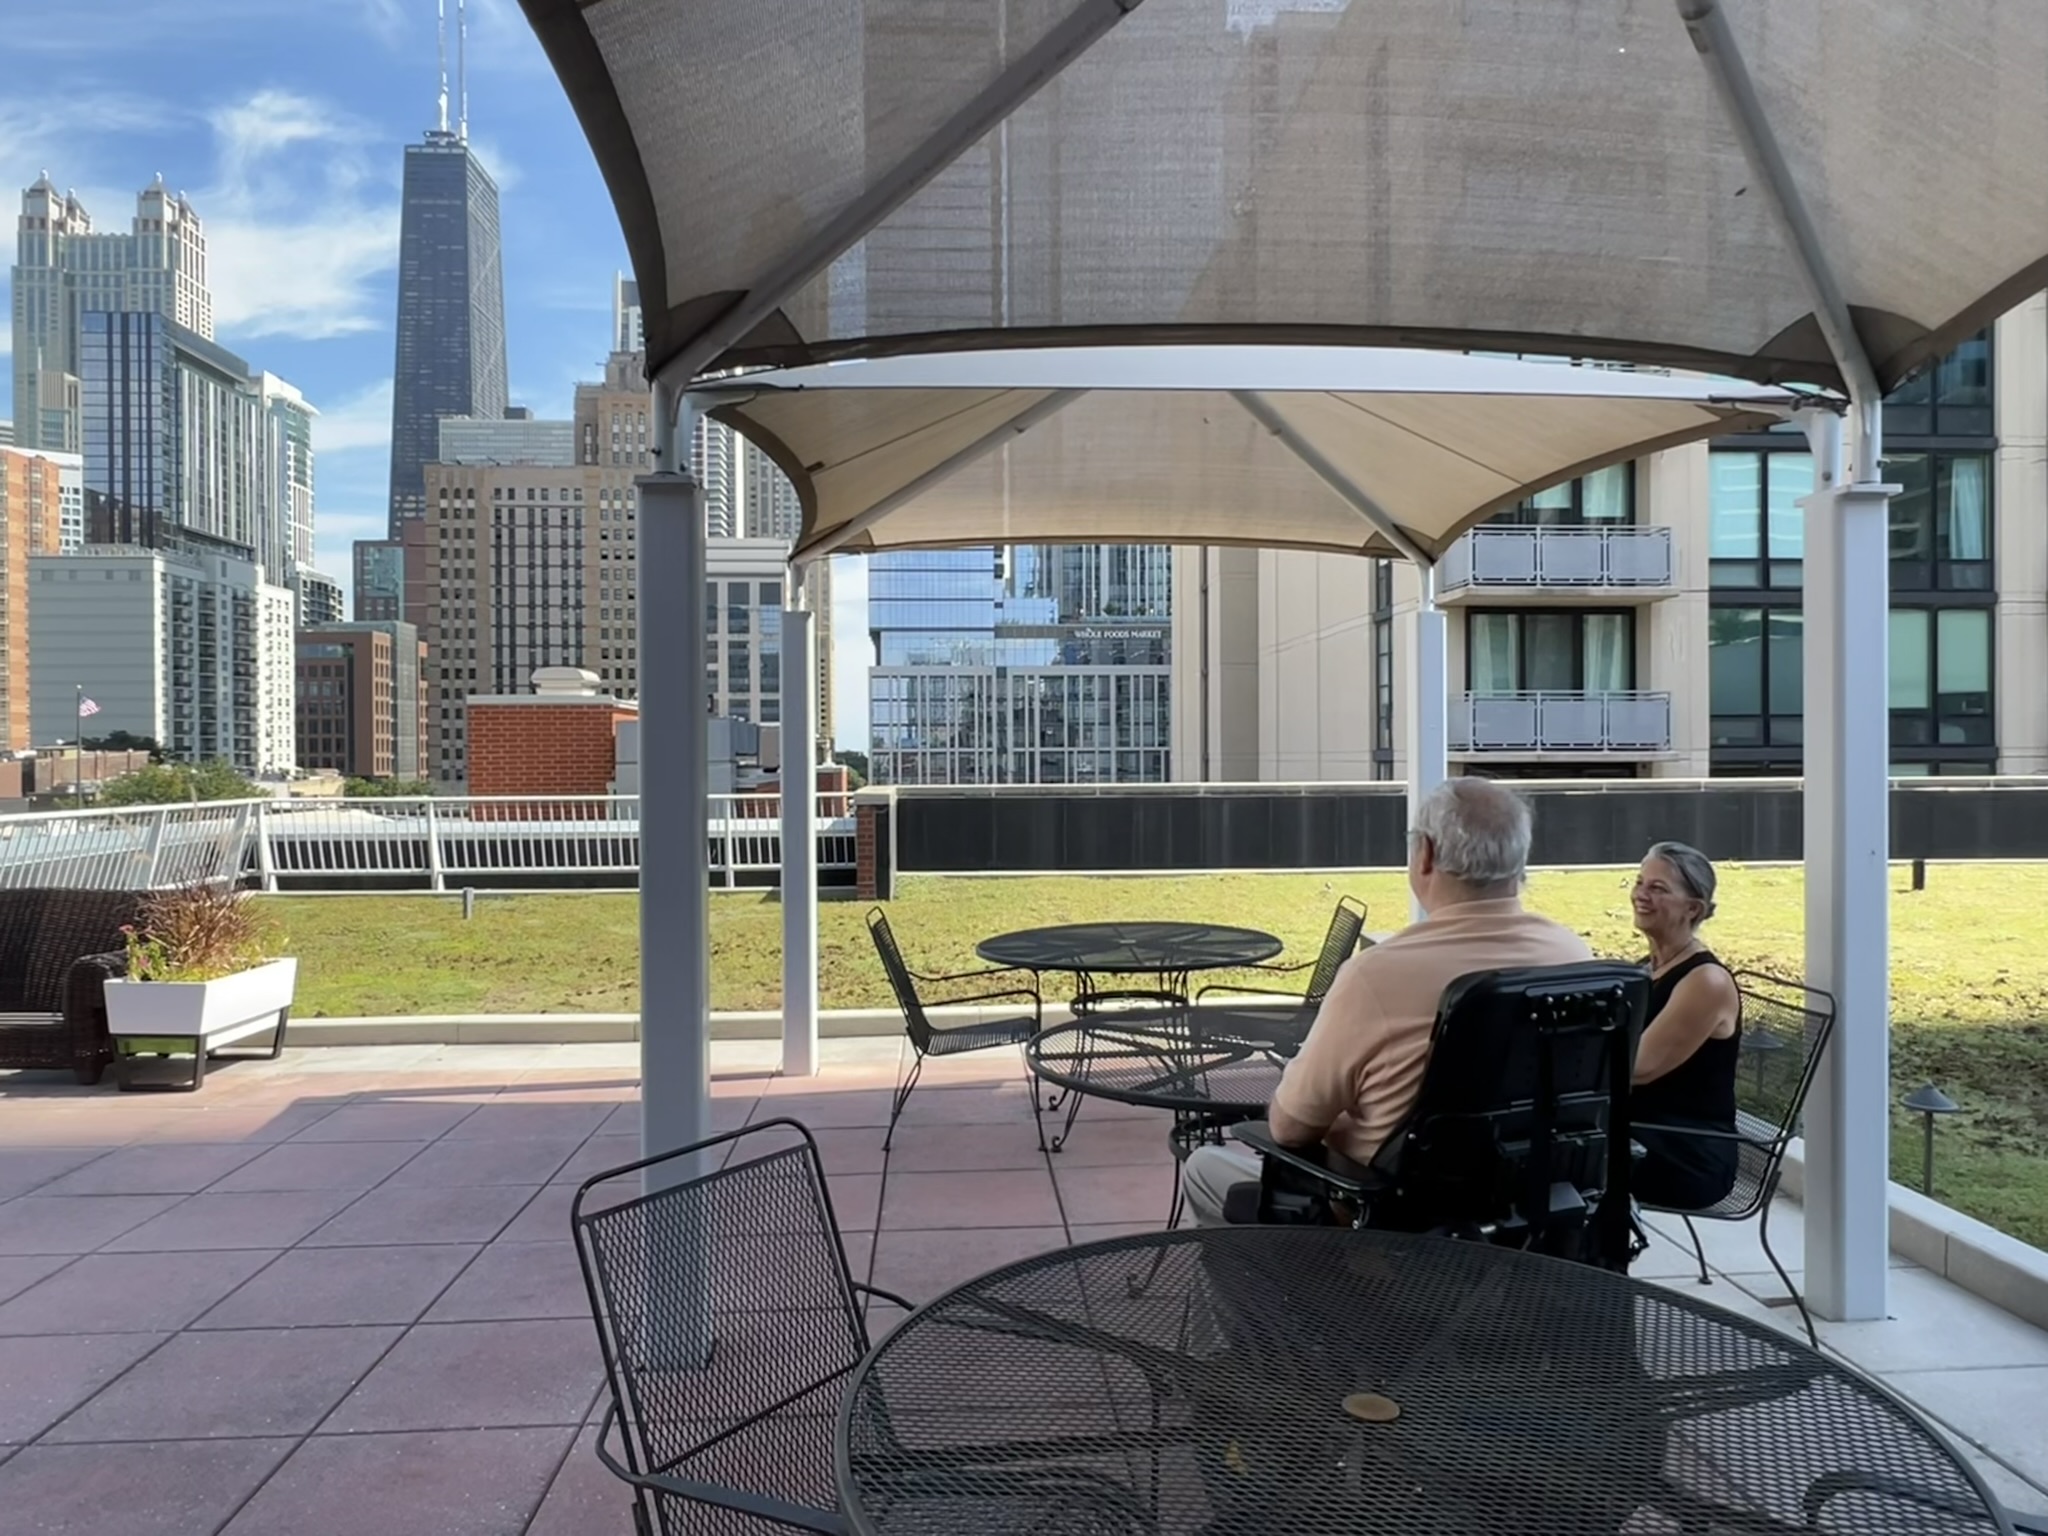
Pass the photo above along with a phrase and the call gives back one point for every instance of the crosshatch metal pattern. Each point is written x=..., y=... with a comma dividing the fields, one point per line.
x=1535, y=1398
x=728, y=1322
x=1130, y=948
x=1189, y=1059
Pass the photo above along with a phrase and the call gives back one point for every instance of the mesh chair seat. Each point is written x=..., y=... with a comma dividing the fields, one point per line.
x=980, y=1037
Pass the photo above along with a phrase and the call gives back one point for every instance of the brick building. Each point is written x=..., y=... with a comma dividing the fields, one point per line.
x=362, y=700
x=561, y=739
x=29, y=496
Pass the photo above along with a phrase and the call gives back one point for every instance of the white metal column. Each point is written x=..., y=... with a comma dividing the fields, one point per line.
x=675, y=903
x=1426, y=714
x=1848, y=890
x=799, y=832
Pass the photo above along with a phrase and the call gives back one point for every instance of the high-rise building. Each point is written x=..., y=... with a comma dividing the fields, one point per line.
x=1646, y=621
x=629, y=334
x=29, y=514
x=319, y=598
x=179, y=434
x=362, y=708
x=451, y=306
x=378, y=580
x=1024, y=664
x=187, y=642
x=64, y=271
x=506, y=440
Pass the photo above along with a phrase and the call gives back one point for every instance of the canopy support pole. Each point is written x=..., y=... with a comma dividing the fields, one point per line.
x=799, y=830
x=1428, y=704
x=836, y=538
x=1073, y=36
x=1847, y=753
x=675, y=905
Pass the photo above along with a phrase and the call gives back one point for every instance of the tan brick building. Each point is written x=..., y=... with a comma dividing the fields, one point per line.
x=29, y=525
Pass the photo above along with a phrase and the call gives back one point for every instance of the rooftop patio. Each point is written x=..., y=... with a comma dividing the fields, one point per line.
x=336, y=1294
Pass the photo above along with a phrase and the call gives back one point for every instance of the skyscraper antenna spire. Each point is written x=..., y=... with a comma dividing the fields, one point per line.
x=441, y=55
x=462, y=67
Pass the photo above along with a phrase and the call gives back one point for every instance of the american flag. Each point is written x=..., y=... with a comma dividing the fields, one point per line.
x=87, y=707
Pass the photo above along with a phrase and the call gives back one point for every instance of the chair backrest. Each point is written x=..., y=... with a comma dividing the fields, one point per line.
x=900, y=980
x=1521, y=1127
x=1340, y=943
x=725, y=1313
x=1785, y=1030
x=44, y=932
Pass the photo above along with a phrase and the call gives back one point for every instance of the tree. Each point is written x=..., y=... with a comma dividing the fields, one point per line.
x=386, y=789
x=856, y=765
x=179, y=784
x=126, y=741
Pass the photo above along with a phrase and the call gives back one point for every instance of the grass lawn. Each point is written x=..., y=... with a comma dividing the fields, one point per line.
x=1969, y=969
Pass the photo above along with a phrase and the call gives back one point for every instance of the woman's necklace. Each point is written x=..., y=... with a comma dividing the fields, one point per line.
x=1663, y=963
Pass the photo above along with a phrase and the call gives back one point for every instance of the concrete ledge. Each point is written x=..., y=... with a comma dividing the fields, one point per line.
x=2010, y=1274
x=588, y=1028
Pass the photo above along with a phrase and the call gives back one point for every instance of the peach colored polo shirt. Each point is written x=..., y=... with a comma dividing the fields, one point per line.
x=1361, y=1067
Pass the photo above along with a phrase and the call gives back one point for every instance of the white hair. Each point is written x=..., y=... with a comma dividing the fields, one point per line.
x=1478, y=829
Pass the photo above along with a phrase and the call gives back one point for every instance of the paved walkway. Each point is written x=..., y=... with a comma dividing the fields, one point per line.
x=335, y=1296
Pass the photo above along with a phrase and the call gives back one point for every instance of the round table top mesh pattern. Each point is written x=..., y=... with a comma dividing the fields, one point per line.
x=1300, y=1381
x=1111, y=948
x=1188, y=1059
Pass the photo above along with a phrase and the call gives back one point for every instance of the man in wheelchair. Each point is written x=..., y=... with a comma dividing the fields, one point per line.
x=1459, y=1071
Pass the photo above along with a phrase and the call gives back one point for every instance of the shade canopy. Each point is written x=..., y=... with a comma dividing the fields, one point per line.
x=1555, y=176
x=1356, y=451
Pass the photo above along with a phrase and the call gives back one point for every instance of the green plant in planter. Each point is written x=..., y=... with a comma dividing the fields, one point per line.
x=197, y=933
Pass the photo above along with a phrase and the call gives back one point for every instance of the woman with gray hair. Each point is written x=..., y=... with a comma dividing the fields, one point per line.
x=1685, y=1063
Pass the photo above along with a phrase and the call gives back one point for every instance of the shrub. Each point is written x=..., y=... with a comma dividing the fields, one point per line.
x=178, y=784
x=197, y=933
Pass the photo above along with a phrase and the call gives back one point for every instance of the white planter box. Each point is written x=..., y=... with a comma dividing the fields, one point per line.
x=199, y=1016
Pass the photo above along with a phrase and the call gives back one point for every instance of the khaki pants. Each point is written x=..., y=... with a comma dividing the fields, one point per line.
x=1207, y=1177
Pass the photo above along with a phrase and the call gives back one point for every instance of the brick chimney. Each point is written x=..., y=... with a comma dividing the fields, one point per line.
x=561, y=739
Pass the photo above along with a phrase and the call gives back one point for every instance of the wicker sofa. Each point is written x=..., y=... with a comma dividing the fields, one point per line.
x=57, y=949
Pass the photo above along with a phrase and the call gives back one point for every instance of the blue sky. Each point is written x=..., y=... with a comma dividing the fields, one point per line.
x=285, y=122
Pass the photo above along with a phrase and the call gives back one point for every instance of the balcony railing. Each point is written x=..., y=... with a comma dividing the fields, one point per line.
x=1626, y=557
x=436, y=844
x=1619, y=723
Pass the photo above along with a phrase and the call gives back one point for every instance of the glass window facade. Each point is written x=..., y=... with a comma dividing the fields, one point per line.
x=1549, y=651
x=1026, y=664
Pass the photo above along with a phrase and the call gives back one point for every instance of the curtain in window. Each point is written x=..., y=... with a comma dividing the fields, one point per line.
x=1967, y=513
x=1606, y=494
x=1495, y=663
x=1607, y=654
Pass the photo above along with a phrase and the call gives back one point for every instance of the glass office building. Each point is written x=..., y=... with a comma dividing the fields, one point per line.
x=1022, y=664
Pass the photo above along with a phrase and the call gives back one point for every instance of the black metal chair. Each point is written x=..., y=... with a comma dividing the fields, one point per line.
x=1785, y=1028
x=1518, y=1136
x=928, y=1039
x=1340, y=943
x=729, y=1322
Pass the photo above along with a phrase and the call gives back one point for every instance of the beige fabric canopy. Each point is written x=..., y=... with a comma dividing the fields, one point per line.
x=1555, y=176
x=1376, y=452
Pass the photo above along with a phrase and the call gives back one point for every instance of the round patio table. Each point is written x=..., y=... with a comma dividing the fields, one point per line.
x=1296, y=1381
x=1211, y=1067
x=1169, y=953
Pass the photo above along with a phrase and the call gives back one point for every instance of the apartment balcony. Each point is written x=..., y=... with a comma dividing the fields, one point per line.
x=1631, y=727
x=1557, y=565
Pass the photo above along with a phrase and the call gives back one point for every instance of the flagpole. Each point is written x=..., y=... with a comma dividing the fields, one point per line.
x=78, y=733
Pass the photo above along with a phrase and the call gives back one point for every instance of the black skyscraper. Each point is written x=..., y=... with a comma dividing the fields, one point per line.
x=451, y=309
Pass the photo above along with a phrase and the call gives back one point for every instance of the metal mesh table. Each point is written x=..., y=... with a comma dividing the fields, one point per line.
x=1167, y=952
x=1210, y=1066
x=1297, y=1381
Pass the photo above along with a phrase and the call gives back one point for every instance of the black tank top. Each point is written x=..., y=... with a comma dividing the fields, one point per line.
x=1701, y=1089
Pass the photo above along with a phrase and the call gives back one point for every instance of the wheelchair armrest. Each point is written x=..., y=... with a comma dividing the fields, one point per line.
x=1317, y=1161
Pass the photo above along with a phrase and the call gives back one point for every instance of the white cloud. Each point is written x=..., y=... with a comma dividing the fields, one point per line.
x=299, y=226
x=359, y=423
x=504, y=171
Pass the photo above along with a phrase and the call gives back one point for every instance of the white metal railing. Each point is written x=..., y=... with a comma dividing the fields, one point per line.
x=435, y=844
x=136, y=848
x=1558, y=557
x=1561, y=722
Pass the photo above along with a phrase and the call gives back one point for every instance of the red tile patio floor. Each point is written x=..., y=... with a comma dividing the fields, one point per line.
x=336, y=1294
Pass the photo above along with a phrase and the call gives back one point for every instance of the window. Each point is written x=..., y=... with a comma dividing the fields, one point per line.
x=1553, y=651
x=1940, y=521
x=1950, y=398
x=1940, y=677
x=1757, y=534
x=1755, y=678
x=1604, y=499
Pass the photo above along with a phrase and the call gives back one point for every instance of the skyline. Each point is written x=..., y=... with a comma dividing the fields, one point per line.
x=286, y=127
